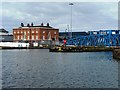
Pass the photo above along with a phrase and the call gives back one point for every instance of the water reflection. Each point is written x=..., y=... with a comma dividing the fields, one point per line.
x=42, y=69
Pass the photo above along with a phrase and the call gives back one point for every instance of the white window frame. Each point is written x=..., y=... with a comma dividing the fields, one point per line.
x=32, y=37
x=43, y=31
x=36, y=31
x=25, y=33
x=32, y=31
x=28, y=37
x=43, y=37
x=18, y=37
x=21, y=37
x=54, y=32
x=49, y=34
x=36, y=37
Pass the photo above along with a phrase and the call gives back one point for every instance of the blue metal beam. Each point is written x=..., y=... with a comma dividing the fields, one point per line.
x=97, y=38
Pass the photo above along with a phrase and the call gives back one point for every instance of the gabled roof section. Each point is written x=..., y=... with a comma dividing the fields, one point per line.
x=38, y=26
x=3, y=30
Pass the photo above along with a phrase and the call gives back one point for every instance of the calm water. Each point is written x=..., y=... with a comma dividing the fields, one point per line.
x=39, y=68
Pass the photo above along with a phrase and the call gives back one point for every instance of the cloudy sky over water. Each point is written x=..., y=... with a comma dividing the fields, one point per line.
x=86, y=15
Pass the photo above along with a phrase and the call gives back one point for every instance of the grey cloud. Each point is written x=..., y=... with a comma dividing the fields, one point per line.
x=86, y=15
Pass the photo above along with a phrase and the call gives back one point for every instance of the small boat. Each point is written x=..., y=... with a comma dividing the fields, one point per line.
x=65, y=49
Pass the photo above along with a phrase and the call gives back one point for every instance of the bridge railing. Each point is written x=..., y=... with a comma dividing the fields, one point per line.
x=97, y=38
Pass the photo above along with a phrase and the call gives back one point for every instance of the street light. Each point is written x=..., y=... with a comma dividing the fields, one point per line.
x=71, y=4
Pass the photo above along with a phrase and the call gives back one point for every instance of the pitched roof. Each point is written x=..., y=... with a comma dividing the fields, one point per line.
x=3, y=30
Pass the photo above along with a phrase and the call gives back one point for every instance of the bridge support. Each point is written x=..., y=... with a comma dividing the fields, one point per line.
x=97, y=38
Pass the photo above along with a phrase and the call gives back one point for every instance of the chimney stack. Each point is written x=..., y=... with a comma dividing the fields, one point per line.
x=41, y=24
x=22, y=25
x=47, y=24
x=28, y=25
x=32, y=24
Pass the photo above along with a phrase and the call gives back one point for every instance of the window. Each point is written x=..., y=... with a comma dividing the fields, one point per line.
x=55, y=37
x=24, y=33
x=14, y=32
x=32, y=37
x=49, y=36
x=95, y=33
x=28, y=31
x=18, y=37
x=37, y=37
x=28, y=37
x=32, y=31
x=43, y=37
x=21, y=37
x=18, y=31
x=36, y=31
x=43, y=31
x=107, y=32
x=21, y=32
x=113, y=32
x=54, y=32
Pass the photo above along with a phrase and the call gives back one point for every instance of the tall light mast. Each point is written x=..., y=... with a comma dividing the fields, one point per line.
x=71, y=4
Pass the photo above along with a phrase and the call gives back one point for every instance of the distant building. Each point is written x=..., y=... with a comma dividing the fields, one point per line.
x=77, y=34
x=31, y=33
x=3, y=32
x=74, y=34
x=5, y=36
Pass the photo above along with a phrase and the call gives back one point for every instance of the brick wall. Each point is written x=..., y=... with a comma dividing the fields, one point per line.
x=35, y=34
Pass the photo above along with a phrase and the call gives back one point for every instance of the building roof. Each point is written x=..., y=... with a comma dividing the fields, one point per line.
x=37, y=26
x=74, y=33
x=3, y=30
x=47, y=26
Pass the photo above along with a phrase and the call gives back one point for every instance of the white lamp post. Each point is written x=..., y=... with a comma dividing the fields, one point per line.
x=71, y=4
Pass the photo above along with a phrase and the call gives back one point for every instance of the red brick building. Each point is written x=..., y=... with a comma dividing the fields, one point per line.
x=33, y=33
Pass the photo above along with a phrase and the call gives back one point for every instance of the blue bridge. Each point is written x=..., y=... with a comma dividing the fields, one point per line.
x=97, y=38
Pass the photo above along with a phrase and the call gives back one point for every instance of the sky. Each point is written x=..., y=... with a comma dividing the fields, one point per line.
x=86, y=16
